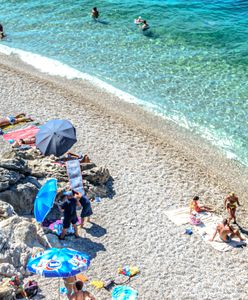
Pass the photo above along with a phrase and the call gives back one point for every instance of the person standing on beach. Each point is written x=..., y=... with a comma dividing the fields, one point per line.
x=231, y=202
x=226, y=232
x=94, y=13
x=86, y=210
x=69, y=207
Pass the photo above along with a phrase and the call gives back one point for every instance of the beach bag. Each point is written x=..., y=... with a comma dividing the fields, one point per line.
x=31, y=288
x=194, y=219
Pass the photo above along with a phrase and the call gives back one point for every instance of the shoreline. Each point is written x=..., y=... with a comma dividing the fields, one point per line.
x=155, y=167
x=164, y=132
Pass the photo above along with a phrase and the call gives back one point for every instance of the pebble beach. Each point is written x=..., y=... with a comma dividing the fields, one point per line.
x=155, y=166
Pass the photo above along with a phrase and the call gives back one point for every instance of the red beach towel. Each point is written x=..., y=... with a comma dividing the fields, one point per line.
x=24, y=133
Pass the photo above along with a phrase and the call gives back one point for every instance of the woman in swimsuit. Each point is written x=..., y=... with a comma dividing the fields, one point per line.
x=195, y=206
x=231, y=203
x=226, y=232
x=69, y=283
x=14, y=120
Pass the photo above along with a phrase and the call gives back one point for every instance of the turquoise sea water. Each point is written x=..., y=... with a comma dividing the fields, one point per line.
x=192, y=67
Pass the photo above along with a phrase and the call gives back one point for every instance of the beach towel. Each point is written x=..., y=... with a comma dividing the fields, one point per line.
x=57, y=227
x=75, y=175
x=181, y=216
x=206, y=230
x=23, y=133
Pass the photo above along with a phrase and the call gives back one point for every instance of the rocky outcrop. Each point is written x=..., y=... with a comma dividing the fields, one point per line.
x=6, y=210
x=23, y=172
x=21, y=175
x=18, y=236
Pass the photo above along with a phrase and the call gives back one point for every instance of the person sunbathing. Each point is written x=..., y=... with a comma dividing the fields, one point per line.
x=195, y=206
x=226, y=232
x=231, y=203
x=21, y=142
x=14, y=120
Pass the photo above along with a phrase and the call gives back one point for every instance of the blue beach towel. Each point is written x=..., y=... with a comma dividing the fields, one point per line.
x=123, y=292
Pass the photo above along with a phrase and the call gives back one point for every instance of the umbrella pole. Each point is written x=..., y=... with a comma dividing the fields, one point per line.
x=59, y=288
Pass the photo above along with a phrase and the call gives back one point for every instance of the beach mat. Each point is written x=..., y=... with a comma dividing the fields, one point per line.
x=23, y=133
x=75, y=175
x=206, y=231
x=181, y=216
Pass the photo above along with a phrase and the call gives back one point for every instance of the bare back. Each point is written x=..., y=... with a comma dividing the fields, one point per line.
x=82, y=296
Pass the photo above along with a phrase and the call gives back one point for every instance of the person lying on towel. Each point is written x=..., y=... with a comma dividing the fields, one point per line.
x=21, y=142
x=226, y=232
x=197, y=207
x=14, y=120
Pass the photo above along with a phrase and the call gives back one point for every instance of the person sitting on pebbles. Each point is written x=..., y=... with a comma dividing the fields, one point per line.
x=226, y=232
x=197, y=207
x=14, y=120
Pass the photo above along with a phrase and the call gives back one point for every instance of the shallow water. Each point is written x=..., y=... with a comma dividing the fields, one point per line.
x=191, y=67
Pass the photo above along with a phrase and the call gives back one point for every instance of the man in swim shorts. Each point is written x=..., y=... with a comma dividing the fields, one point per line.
x=14, y=120
x=69, y=208
x=226, y=232
x=81, y=295
x=231, y=203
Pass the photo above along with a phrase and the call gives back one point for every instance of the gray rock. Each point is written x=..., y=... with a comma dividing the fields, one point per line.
x=7, y=178
x=21, y=197
x=6, y=210
x=11, y=161
x=7, y=293
x=96, y=175
x=17, y=238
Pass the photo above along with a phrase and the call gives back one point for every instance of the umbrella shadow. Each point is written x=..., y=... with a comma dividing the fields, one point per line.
x=88, y=246
x=96, y=230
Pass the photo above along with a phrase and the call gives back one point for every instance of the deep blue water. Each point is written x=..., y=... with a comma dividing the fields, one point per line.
x=190, y=67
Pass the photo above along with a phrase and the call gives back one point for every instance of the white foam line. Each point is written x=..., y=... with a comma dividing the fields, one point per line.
x=57, y=68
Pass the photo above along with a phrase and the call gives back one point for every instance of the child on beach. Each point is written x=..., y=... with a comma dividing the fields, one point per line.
x=231, y=202
x=195, y=206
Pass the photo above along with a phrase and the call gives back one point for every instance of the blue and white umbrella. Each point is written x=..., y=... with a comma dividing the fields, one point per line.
x=63, y=262
x=123, y=292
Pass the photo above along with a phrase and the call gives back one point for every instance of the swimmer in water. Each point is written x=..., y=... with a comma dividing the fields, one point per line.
x=145, y=25
x=139, y=20
x=2, y=35
x=94, y=13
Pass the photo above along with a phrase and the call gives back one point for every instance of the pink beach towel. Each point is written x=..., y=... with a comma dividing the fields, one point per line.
x=24, y=133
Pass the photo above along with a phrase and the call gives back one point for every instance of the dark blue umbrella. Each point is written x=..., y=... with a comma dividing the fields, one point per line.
x=56, y=137
x=63, y=262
